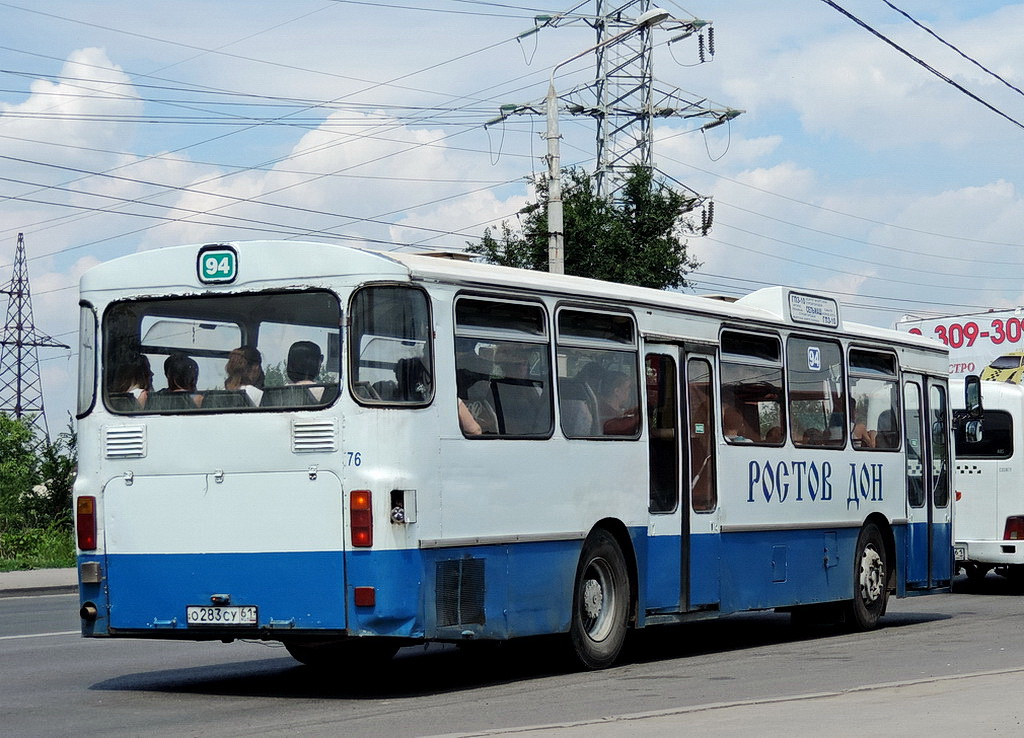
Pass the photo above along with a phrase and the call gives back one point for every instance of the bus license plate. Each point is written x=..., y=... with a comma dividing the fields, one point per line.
x=221, y=615
x=960, y=553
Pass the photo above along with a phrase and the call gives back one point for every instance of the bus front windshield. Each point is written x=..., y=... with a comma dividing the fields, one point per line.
x=223, y=353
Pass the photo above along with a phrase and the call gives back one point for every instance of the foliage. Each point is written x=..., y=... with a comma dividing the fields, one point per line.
x=37, y=548
x=275, y=376
x=635, y=240
x=36, y=479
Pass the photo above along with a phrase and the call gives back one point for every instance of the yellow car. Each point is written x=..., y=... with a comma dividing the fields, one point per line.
x=1006, y=368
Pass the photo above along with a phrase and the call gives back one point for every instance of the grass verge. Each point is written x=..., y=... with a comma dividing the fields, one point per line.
x=37, y=548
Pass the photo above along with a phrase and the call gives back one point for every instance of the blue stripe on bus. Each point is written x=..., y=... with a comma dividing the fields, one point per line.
x=293, y=589
x=500, y=592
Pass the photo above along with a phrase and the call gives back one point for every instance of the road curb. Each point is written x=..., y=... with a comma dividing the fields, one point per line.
x=38, y=582
x=35, y=591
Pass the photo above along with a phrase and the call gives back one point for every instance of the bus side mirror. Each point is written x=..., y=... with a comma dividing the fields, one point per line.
x=972, y=431
x=972, y=397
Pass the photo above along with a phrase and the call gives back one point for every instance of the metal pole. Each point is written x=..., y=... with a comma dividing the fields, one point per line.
x=556, y=251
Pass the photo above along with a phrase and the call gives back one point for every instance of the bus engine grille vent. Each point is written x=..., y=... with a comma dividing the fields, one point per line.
x=460, y=592
x=311, y=436
x=125, y=442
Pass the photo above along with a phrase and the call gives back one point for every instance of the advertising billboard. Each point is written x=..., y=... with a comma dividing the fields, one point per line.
x=990, y=344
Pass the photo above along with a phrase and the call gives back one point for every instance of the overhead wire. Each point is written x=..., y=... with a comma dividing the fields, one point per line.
x=920, y=62
x=770, y=193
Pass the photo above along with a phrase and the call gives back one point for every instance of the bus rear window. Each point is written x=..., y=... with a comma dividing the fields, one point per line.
x=223, y=353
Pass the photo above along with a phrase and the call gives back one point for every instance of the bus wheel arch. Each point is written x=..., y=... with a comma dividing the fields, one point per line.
x=873, y=575
x=603, y=597
x=891, y=557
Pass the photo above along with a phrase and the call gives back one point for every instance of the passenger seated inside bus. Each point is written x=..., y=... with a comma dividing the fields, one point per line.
x=887, y=435
x=734, y=427
x=413, y=380
x=511, y=402
x=301, y=370
x=244, y=369
x=862, y=436
x=467, y=421
x=182, y=374
x=133, y=383
x=618, y=406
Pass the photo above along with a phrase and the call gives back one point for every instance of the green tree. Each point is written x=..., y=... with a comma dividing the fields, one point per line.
x=635, y=240
x=58, y=462
x=18, y=471
x=36, y=479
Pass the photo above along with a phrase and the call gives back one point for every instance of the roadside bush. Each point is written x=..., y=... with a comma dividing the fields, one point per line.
x=36, y=479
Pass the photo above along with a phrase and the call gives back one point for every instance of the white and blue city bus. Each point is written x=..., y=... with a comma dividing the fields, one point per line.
x=488, y=453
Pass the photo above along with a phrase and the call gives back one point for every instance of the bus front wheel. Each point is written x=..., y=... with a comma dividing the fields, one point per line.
x=600, y=606
x=870, y=580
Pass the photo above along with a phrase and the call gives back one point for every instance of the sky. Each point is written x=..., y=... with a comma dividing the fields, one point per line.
x=876, y=161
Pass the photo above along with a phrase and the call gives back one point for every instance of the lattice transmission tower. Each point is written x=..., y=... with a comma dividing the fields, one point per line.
x=625, y=98
x=21, y=391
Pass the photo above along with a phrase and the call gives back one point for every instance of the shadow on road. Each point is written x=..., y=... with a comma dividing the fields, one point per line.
x=437, y=669
x=991, y=584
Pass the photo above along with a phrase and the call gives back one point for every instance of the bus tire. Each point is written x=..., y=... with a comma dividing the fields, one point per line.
x=870, y=580
x=600, y=602
x=372, y=651
x=975, y=572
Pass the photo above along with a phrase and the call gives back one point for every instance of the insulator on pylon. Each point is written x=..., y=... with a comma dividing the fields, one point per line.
x=700, y=47
x=711, y=40
x=707, y=217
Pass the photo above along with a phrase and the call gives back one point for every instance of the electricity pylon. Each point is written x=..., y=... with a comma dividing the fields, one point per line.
x=21, y=391
x=625, y=98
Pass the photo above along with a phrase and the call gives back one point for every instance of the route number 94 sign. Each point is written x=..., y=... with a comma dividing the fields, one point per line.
x=217, y=264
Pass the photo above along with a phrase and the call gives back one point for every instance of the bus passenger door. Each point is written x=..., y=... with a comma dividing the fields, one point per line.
x=701, y=484
x=682, y=481
x=667, y=549
x=928, y=552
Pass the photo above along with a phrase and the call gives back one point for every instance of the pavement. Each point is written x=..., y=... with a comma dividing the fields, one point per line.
x=38, y=581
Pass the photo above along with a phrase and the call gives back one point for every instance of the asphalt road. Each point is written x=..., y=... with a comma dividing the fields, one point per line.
x=945, y=664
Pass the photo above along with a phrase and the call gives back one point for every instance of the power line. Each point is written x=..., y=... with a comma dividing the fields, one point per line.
x=946, y=43
x=921, y=62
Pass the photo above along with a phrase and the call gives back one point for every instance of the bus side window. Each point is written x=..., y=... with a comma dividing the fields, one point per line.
x=817, y=391
x=502, y=368
x=598, y=381
x=751, y=388
x=390, y=346
x=874, y=400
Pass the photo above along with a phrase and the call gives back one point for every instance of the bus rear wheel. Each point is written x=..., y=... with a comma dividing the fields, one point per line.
x=600, y=606
x=870, y=580
x=976, y=572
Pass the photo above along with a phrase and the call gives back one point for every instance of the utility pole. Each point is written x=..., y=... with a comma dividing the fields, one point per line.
x=21, y=391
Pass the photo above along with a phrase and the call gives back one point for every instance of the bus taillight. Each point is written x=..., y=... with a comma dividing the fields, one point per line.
x=1014, y=530
x=85, y=523
x=361, y=518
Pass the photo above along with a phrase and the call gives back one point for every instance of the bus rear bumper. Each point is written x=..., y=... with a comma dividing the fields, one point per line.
x=996, y=553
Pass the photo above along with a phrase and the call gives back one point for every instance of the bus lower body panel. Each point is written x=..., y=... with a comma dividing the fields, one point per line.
x=458, y=593
x=781, y=568
x=470, y=592
x=160, y=594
